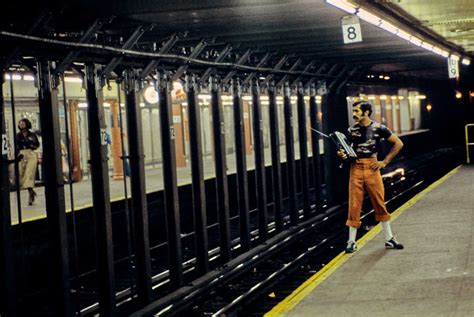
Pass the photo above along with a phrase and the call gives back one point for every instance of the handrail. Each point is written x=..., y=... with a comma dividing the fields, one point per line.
x=467, y=141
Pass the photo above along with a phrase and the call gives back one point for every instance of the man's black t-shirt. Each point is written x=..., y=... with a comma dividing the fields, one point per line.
x=366, y=139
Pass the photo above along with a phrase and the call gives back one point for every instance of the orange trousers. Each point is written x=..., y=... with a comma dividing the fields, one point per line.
x=362, y=177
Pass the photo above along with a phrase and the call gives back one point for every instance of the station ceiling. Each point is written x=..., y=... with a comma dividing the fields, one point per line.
x=307, y=29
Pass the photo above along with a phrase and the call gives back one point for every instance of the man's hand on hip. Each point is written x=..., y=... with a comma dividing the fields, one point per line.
x=378, y=165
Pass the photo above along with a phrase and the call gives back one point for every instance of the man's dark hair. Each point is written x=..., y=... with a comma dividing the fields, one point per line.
x=364, y=106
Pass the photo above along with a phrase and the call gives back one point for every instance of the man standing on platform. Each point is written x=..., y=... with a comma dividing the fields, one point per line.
x=365, y=135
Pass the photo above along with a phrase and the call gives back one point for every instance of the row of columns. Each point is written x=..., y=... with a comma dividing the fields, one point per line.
x=54, y=183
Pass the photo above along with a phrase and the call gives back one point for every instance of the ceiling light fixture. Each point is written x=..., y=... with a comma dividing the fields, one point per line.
x=343, y=5
x=28, y=78
x=371, y=18
x=415, y=40
x=427, y=46
x=368, y=17
x=404, y=35
x=389, y=27
x=466, y=61
x=455, y=57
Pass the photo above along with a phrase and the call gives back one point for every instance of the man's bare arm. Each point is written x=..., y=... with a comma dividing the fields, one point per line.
x=397, y=145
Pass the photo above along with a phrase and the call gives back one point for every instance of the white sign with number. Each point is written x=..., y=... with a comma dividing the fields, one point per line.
x=453, y=68
x=4, y=144
x=321, y=146
x=103, y=137
x=351, y=29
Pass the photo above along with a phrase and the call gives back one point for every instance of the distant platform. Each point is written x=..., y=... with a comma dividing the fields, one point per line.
x=82, y=191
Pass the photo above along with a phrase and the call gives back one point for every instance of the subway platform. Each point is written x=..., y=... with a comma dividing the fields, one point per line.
x=432, y=276
x=82, y=191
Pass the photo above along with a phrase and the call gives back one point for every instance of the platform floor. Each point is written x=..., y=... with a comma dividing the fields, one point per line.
x=432, y=276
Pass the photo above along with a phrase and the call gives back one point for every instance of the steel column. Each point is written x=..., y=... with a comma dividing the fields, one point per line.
x=290, y=155
x=137, y=187
x=221, y=171
x=7, y=272
x=314, y=121
x=259, y=163
x=170, y=183
x=100, y=192
x=303, y=137
x=276, y=164
x=242, y=182
x=54, y=192
x=197, y=173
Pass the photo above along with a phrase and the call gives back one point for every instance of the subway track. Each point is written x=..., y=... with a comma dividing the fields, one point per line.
x=298, y=252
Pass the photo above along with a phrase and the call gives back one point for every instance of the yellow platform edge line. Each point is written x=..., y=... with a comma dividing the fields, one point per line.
x=314, y=281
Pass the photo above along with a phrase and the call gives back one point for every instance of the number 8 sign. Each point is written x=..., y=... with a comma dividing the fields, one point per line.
x=351, y=29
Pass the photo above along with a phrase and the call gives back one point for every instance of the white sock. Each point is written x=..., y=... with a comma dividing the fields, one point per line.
x=387, y=230
x=352, y=234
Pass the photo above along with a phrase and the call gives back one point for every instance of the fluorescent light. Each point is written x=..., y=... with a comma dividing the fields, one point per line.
x=386, y=77
x=28, y=78
x=389, y=27
x=16, y=77
x=420, y=97
x=343, y=5
x=466, y=61
x=72, y=80
x=415, y=40
x=368, y=17
x=383, y=97
x=455, y=57
x=440, y=51
x=427, y=46
x=404, y=35
x=82, y=105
